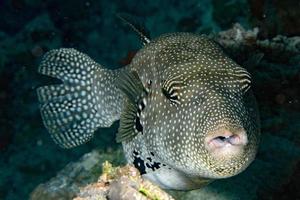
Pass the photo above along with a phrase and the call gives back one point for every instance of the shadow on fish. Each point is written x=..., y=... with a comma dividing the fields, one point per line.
x=187, y=113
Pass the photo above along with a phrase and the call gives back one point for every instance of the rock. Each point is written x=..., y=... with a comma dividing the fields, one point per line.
x=69, y=180
x=243, y=45
x=77, y=181
x=122, y=183
x=96, y=191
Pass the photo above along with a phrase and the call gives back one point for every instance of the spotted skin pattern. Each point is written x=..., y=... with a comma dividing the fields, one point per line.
x=72, y=111
x=194, y=90
x=212, y=90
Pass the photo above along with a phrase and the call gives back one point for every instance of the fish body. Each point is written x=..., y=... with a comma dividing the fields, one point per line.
x=187, y=113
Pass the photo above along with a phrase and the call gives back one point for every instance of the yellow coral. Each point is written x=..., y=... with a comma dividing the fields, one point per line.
x=148, y=194
x=108, y=170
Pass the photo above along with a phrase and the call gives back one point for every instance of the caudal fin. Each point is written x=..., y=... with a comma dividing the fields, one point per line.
x=87, y=99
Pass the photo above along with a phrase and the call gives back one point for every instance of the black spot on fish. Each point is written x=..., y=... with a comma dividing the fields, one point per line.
x=135, y=153
x=149, y=158
x=149, y=83
x=154, y=166
x=138, y=125
x=143, y=105
x=139, y=164
x=220, y=169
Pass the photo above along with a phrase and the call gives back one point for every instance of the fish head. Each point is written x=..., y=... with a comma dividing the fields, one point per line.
x=205, y=120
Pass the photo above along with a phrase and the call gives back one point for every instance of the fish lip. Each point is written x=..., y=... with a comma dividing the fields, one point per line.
x=224, y=141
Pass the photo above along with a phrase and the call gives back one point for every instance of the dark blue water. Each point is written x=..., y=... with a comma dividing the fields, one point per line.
x=29, y=28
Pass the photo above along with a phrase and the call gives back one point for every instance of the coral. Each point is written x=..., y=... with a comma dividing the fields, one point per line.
x=241, y=43
x=122, y=183
x=78, y=181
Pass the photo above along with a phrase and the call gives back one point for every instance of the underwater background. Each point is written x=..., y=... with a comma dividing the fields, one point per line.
x=29, y=28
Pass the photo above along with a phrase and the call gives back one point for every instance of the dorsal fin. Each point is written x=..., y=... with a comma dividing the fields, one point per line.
x=136, y=26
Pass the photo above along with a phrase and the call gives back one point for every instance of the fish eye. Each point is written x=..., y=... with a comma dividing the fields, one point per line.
x=170, y=89
x=244, y=79
x=246, y=87
x=245, y=84
x=172, y=95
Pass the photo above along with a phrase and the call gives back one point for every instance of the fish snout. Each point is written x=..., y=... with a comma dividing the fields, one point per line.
x=224, y=142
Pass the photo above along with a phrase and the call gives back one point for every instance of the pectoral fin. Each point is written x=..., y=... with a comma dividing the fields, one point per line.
x=131, y=85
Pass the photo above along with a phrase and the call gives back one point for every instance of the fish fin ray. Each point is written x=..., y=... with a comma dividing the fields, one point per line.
x=126, y=129
x=131, y=85
x=87, y=99
x=137, y=27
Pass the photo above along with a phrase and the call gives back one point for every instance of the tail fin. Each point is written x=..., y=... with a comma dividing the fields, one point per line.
x=87, y=99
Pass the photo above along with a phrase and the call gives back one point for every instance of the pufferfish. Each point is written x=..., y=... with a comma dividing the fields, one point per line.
x=187, y=113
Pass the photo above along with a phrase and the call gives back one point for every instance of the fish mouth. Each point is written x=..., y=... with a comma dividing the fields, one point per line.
x=225, y=144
